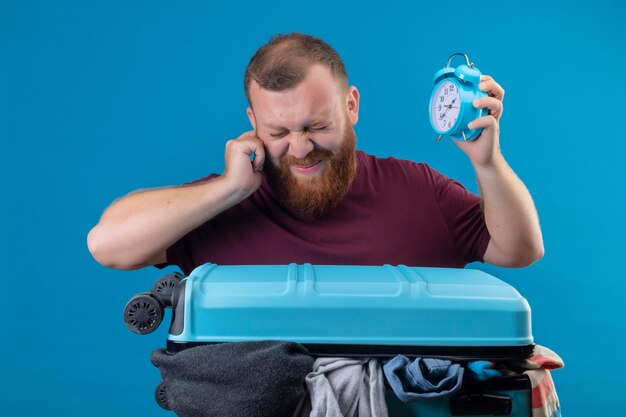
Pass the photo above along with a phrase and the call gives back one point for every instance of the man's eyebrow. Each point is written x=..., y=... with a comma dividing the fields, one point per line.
x=271, y=126
x=309, y=123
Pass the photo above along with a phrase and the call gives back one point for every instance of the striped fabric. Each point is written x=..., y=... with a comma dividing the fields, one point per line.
x=544, y=400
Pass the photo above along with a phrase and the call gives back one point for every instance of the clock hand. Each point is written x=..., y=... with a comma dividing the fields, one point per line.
x=448, y=107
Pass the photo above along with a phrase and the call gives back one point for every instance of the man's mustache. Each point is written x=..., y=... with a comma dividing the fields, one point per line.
x=312, y=157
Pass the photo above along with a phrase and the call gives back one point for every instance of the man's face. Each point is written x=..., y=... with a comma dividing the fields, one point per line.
x=309, y=140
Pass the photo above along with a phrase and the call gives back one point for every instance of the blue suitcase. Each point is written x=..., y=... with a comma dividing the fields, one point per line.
x=460, y=314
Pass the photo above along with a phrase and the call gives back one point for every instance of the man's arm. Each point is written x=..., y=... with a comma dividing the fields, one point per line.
x=510, y=213
x=136, y=230
x=511, y=217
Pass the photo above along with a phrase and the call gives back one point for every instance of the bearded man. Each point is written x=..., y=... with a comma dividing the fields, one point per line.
x=308, y=195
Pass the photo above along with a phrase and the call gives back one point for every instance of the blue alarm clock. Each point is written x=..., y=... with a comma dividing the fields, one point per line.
x=451, y=108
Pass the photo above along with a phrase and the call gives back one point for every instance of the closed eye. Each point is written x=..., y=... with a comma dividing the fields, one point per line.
x=318, y=129
x=279, y=135
x=311, y=129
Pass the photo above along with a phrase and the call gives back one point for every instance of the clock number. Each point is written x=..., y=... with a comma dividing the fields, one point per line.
x=446, y=91
x=439, y=107
x=449, y=124
x=451, y=87
x=441, y=99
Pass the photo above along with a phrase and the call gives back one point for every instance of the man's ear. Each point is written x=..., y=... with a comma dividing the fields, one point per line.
x=251, y=117
x=352, y=104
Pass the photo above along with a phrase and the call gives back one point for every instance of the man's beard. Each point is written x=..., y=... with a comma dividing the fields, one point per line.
x=315, y=197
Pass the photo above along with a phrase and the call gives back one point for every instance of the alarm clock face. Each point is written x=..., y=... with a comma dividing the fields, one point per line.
x=445, y=105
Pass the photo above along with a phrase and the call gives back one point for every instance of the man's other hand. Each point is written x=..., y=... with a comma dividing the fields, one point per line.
x=485, y=149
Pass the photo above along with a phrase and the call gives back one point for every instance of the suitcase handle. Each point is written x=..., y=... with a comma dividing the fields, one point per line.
x=480, y=404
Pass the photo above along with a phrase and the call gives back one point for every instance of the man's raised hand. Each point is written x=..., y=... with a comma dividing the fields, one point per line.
x=241, y=173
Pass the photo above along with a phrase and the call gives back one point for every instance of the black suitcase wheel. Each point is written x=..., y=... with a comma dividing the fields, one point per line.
x=164, y=287
x=143, y=314
x=159, y=396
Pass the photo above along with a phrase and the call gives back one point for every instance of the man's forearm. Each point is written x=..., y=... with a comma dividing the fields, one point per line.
x=140, y=226
x=510, y=214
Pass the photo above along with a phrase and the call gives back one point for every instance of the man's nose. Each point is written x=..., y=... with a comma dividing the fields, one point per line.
x=300, y=145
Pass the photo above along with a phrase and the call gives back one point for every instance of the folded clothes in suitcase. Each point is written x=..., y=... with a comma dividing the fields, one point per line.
x=459, y=314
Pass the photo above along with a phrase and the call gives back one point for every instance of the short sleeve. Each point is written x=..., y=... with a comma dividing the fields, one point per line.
x=463, y=215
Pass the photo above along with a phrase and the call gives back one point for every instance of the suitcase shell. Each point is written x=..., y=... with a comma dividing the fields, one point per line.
x=461, y=314
x=354, y=310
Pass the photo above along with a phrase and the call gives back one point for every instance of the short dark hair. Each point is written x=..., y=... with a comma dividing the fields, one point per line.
x=284, y=61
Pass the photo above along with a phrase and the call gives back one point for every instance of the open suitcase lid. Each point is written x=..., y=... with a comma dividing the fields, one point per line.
x=355, y=310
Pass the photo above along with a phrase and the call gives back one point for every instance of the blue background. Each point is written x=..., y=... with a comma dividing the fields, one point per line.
x=101, y=98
